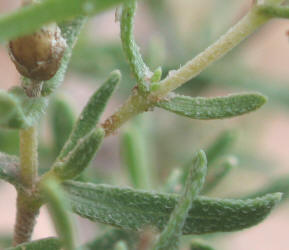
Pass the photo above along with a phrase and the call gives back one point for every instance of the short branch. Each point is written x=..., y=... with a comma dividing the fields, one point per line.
x=137, y=104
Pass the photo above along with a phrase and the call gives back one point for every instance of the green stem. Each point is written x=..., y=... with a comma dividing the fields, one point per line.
x=136, y=104
x=27, y=203
x=27, y=212
x=246, y=26
x=28, y=157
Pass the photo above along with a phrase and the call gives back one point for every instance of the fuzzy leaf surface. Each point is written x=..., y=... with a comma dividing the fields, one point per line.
x=78, y=159
x=47, y=244
x=19, y=111
x=212, y=108
x=130, y=48
x=134, y=209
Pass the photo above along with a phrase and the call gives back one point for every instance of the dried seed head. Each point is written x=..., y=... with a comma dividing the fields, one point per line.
x=38, y=56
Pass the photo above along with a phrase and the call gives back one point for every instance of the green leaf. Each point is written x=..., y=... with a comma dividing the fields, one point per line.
x=19, y=111
x=30, y=18
x=220, y=146
x=42, y=244
x=135, y=210
x=170, y=237
x=280, y=184
x=130, y=48
x=70, y=31
x=111, y=237
x=218, y=173
x=78, y=159
x=134, y=155
x=90, y=115
x=196, y=245
x=8, y=169
x=58, y=206
x=212, y=108
x=62, y=119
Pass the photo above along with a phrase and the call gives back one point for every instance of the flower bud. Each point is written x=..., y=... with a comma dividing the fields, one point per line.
x=38, y=56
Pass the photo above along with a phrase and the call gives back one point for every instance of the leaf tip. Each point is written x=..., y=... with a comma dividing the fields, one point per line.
x=260, y=99
x=277, y=197
x=201, y=157
x=115, y=76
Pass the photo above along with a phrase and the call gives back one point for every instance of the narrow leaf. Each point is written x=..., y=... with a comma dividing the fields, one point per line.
x=212, y=108
x=218, y=173
x=135, y=209
x=19, y=111
x=111, y=237
x=58, y=206
x=90, y=115
x=47, y=244
x=8, y=169
x=133, y=152
x=78, y=159
x=280, y=184
x=70, y=31
x=62, y=120
x=196, y=245
x=170, y=237
x=221, y=145
x=33, y=17
x=130, y=48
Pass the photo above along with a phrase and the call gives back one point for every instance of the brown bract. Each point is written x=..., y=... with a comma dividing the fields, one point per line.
x=38, y=56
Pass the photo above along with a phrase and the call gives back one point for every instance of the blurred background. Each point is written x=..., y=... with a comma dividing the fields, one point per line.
x=170, y=33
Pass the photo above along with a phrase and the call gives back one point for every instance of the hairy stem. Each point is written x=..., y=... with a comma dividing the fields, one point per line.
x=136, y=104
x=246, y=26
x=27, y=212
x=27, y=203
x=28, y=157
